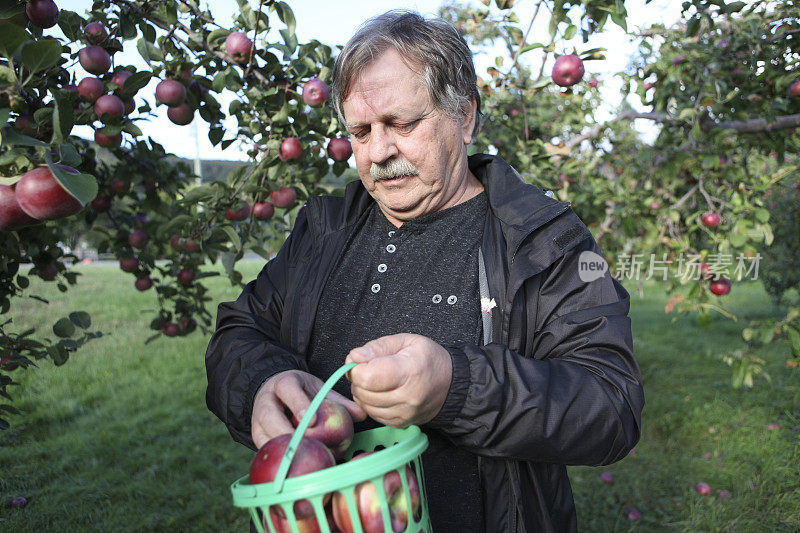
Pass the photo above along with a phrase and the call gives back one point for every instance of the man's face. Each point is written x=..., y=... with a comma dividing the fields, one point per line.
x=409, y=155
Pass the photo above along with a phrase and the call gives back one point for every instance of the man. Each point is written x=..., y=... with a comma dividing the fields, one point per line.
x=457, y=288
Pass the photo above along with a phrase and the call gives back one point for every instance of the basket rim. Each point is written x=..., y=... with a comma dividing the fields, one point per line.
x=411, y=443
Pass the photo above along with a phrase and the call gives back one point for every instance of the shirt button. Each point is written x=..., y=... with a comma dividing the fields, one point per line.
x=452, y=299
x=436, y=298
x=391, y=233
x=376, y=288
x=382, y=268
x=391, y=248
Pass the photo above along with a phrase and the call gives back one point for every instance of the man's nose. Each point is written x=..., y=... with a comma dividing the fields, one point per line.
x=381, y=145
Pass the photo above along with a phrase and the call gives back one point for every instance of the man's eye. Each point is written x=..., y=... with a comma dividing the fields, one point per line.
x=406, y=127
x=359, y=135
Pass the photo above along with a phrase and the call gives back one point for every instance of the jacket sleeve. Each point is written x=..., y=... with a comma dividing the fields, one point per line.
x=245, y=349
x=575, y=398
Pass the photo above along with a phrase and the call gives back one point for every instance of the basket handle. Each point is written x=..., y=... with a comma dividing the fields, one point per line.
x=283, y=469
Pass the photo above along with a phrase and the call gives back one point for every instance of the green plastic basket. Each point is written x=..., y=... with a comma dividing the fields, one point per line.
x=394, y=450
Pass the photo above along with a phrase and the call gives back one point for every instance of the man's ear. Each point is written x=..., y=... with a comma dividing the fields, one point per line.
x=468, y=123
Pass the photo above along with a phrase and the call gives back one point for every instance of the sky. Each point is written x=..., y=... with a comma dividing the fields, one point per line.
x=333, y=23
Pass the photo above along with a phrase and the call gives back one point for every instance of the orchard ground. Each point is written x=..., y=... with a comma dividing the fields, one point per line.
x=119, y=439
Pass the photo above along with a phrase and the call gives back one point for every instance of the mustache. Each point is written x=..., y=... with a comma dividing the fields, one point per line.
x=392, y=169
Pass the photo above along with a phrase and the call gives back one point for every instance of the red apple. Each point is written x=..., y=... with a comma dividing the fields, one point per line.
x=42, y=197
x=94, y=59
x=368, y=506
x=315, y=92
x=143, y=283
x=175, y=242
x=113, y=141
x=333, y=427
x=705, y=271
x=108, y=107
x=291, y=149
x=282, y=525
x=95, y=33
x=340, y=149
x=120, y=186
x=119, y=79
x=311, y=456
x=7, y=365
x=11, y=214
x=263, y=210
x=192, y=247
x=90, y=89
x=710, y=220
x=172, y=329
x=26, y=125
x=181, y=115
x=47, y=272
x=648, y=86
x=720, y=287
x=185, y=276
x=42, y=13
x=138, y=238
x=128, y=264
x=607, y=478
x=170, y=92
x=593, y=83
x=241, y=213
x=237, y=46
x=633, y=514
x=101, y=204
x=703, y=488
x=568, y=70
x=794, y=89
x=283, y=197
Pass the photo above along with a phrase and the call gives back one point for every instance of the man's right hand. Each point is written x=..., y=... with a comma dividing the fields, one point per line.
x=292, y=390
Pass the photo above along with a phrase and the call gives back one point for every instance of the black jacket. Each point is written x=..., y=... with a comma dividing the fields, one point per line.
x=558, y=385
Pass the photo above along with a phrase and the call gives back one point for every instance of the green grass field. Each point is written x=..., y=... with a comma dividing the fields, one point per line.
x=119, y=439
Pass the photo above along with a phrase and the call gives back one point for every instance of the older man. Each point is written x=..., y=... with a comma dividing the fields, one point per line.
x=455, y=285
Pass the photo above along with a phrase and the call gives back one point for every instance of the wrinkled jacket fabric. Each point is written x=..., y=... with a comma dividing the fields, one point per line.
x=558, y=385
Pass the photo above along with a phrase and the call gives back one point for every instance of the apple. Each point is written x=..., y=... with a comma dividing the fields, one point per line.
x=113, y=141
x=311, y=456
x=333, y=427
x=181, y=115
x=128, y=264
x=568, y=70
x=607, y=478
x=705, y=271
x=90, y=89
x=710, y=220
x=11, y=214
x=94, y=59
x=237, y=46
x=101, y=203
x=703, y=488
x=192, y=247
x=725, y=494
x=185, y=276
x=794, y=89
x=170, y=92
x=119, y=79
x=175, y=242
x=720, y=287
x=120, y=186
x=47, y=272
x=593, y=83
x=282, y=524
x=42, y=13
x=290, y=149
x=368, y=506
x=263, y=210
x=340, y=149
x=648, y=86
x=315, y=92
x=7, y=365
x=41, y=196
x=238, y=214
x=108, y=107
x=283, y=197
x=138, y=238
x=26, y=125
x=19, y=502
x=188, y=324
x=143, y=283
x=95, y=33
x=633, y=514
x=172, y=329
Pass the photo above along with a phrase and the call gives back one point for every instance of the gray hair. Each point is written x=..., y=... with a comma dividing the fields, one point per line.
x=432, y=44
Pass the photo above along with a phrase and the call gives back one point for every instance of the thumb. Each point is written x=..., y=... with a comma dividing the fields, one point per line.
x=362, y=354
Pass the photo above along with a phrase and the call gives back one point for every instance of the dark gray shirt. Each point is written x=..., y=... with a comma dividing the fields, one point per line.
x=419, y=278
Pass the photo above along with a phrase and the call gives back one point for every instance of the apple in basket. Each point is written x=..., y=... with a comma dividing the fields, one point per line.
x=311, y=455
x=369, y=507
x=333, y=427
x=304, y=525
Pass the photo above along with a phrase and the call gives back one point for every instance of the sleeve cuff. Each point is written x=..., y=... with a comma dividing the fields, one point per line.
x=459, y=388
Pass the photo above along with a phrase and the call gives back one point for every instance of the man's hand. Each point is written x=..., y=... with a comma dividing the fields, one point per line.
x=292, y=390
x=401, y=379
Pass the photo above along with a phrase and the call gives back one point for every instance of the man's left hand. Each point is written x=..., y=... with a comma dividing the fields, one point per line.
x=401, y=379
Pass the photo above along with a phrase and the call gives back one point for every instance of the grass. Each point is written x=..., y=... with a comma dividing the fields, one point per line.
x=119, y=438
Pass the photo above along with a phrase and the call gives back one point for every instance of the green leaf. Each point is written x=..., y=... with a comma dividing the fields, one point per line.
x=69, y=155
x=233, y=236
x=570, y=32
x=71, y=24
x=215, y=135
x=762, y=214
x=149, y=51
x=64, y=328
x=63, y=118
x=11, y=38
x=692, y=26
x=82, y=186
x=10, y=136
x=529, y=47
x=81, y=319
x=137, y=81
x=733, y=7
x=794, y=339
x=4, y=115
x=58, y=352
x=287, y=16
x=41, y=55
x=704, y=319
x=218, y=35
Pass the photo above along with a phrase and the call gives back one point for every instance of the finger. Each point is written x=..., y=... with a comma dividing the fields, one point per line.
x=380, y=375
x=295, y=396
x=389, y=416
x=269, y=421
x=375, y=399
x=355, y=410
x=381, y=347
